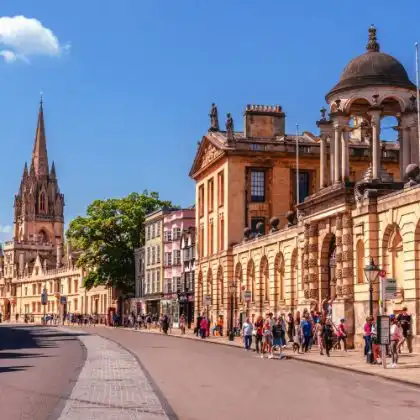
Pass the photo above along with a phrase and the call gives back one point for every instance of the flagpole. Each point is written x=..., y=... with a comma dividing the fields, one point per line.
x=418, y=94
x=297, y=163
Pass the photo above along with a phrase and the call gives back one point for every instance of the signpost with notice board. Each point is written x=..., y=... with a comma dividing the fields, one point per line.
x=247, y=296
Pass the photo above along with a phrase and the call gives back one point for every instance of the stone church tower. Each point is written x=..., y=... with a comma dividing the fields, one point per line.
x=38, y=214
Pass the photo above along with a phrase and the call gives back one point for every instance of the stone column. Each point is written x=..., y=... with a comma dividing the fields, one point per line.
x=347, y=256
x=406, y=147
x=401, y=159
x=313, y=262
x=337, y=142
x=332, y=159
x=305, y=268
x=322, y=163
x=339, y=255
x=345, y=169
x=376, y=149
x=414, y=142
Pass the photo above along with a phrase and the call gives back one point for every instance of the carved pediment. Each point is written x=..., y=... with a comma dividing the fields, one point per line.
x=207, y=153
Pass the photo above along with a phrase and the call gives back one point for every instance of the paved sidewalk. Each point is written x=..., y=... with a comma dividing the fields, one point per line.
x=407, y=370
x=111, y=385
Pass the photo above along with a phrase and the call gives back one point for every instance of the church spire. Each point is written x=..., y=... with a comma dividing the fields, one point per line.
x=39, y=154
x=52, y=173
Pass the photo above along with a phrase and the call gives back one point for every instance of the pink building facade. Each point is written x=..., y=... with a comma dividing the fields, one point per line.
x=174, y=224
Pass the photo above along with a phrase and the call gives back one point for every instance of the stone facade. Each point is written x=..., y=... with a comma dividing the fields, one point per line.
x=310, y=251
x=35, y=258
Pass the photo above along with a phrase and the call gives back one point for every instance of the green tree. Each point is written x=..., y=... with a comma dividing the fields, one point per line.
x=107, y=236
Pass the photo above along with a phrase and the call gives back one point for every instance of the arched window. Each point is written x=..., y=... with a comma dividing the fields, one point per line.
x=42, y=202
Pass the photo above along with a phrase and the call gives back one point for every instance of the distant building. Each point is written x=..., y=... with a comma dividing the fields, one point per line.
x=35, y=259
x=174, y=224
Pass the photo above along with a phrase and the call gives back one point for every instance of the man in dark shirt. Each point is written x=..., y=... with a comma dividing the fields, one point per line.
x=405, y=320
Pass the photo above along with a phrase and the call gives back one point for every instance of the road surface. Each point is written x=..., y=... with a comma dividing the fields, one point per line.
x=204, y=381
x=38, y=368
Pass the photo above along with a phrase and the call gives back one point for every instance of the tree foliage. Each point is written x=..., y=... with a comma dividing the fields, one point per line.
x=107, y=236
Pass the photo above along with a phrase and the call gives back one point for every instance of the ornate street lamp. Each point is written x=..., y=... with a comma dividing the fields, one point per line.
x=371, y=272
x=232, y=289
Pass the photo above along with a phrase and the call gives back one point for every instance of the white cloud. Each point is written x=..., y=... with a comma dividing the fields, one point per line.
x=6, y=228
x=24, y=37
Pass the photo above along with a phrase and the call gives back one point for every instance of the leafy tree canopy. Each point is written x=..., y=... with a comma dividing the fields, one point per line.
x=107, y=236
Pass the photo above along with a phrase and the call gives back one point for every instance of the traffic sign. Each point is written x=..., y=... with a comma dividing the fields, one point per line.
x=247, y=296
x=390, y=287
x=382, y=273
x=383, y=329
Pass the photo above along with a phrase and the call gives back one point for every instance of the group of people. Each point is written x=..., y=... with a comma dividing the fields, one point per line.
x=400, y=334
x=302, y=331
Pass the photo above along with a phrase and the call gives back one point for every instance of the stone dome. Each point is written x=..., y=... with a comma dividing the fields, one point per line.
x=373, y=68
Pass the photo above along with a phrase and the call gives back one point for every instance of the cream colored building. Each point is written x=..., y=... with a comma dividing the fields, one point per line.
x=34, y=259
x=312, y=254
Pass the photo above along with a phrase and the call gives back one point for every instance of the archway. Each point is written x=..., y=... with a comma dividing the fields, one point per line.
x=327, y=268
x=42, y=236
x=250, y=279
x=221, y=289
x=393, y=254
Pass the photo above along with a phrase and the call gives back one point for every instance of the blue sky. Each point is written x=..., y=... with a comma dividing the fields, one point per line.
x=127, y=98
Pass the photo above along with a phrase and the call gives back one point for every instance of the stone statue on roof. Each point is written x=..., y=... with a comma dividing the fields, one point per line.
x=214, y=118
x=229, y=127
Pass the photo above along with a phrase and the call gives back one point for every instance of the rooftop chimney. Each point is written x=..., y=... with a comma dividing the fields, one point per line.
x=264, y=121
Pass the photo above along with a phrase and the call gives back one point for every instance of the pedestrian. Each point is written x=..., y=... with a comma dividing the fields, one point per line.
x=203, y=327
x=278, y=335
x=327, y=336
x=165, y=324
x=268, y=340
x=198, y=325
x=259, y=329
x=342, y=334
x=247, y=329
x=306, y=327
x=182, y=324
x=404, y=318
x=318, y=334
x=397, y=335
x=290, y=327
x=367, y=333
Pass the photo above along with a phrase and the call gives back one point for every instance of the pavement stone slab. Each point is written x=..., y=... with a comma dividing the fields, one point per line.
x=112, y=385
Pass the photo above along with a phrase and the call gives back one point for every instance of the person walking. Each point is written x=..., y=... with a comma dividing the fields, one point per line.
x=367, y=333
x=318, y=335
x=268, y=340
x=259, y=329
x=278, y=336
x=404, y=318
x=247, y=329
x=290, y=327
x=327, y=335
x=306, y=327
x=342, y=334
x=182, y=324
x=203, y=327
x=397, y=336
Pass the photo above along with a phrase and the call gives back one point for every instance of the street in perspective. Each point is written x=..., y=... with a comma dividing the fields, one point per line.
x=179, y=245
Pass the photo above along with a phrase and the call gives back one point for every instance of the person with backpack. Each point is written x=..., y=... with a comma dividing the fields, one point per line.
x=258, y=328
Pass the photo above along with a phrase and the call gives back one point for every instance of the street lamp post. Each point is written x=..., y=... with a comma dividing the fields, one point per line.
x=232, y=288
x=371, y=273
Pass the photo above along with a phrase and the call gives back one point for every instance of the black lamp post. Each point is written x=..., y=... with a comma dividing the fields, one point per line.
x=371, y=273
x=232, y=288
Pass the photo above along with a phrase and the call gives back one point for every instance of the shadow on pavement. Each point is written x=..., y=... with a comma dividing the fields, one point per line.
x=23, y=342
x=6, y=369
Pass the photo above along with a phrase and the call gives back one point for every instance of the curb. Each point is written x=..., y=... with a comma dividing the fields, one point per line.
x=293, y=357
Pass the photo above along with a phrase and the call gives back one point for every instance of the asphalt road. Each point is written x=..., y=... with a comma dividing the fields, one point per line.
x=204, y=381
x=38, y=367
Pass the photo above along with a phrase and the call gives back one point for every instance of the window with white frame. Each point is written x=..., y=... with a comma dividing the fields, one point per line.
x=157, y=280
x=153, y=281
x=176, y=233
x=158, y=229
x=153, y=255
x=148, y=232
x=168, y=258
x=154, y=230
x=177, y=257
x=176, y=282
x=158, y=254
x=167, y=235
x=148, y=256
x=168, y=285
